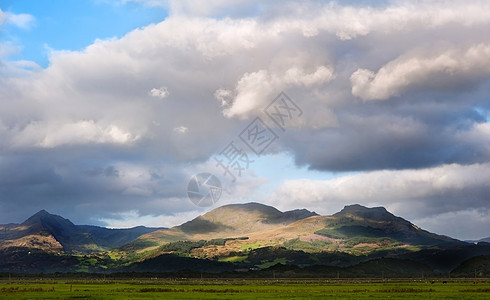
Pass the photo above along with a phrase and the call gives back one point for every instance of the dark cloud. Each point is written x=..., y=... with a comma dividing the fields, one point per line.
x=413, y=134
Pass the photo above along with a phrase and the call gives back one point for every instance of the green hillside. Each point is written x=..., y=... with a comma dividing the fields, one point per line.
x=478, y=267
x=357, y=241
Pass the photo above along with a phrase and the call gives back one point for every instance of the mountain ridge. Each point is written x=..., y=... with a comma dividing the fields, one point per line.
x=250, y=235
x=356, y=227
x=53, y=233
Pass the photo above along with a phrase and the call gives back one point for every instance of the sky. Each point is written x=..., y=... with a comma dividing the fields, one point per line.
x=110, y=107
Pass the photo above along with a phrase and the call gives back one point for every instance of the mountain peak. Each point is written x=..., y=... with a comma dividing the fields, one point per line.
x=42, y=212
x=262, y=211
x=377, y=213
x=44, y=219
x=359, y=207
x=251, y=206
x=242, y=218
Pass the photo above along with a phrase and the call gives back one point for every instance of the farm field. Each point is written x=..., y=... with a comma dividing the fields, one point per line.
x=243, y=289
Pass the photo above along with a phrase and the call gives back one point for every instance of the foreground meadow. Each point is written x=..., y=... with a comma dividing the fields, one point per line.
x=243, y=289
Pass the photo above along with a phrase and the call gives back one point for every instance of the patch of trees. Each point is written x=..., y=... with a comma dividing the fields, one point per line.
x=185, y=247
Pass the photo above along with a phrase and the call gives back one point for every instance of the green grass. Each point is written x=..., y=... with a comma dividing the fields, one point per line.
x=315, y=246
x=234, y=258
x=242, y=289
x=276, y=261
x=115, y=255
x=250, y=246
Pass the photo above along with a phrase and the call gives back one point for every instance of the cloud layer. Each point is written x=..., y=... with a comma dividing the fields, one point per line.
x=397, y=92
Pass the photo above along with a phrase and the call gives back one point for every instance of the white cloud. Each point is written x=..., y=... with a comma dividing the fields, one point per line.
x=224, y=96
x=7, y=48
x=296, y=76
x=24, y=21
x=159, y=93
x=411, y=193
x=407, y=71
x=71, y=133
x=2, y=17
x=254, y=90
x=181, y=129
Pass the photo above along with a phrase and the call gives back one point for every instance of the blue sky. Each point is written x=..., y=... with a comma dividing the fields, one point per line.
x=73, y=25
x=108, y=108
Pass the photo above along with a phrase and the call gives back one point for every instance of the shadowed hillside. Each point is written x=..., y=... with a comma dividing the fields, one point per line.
x=53, y=233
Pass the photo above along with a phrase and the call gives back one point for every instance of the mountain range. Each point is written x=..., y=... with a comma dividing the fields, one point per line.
x=248, y=236
x=52, y=233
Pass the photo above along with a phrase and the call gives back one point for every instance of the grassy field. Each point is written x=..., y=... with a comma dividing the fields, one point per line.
x=242, y=289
